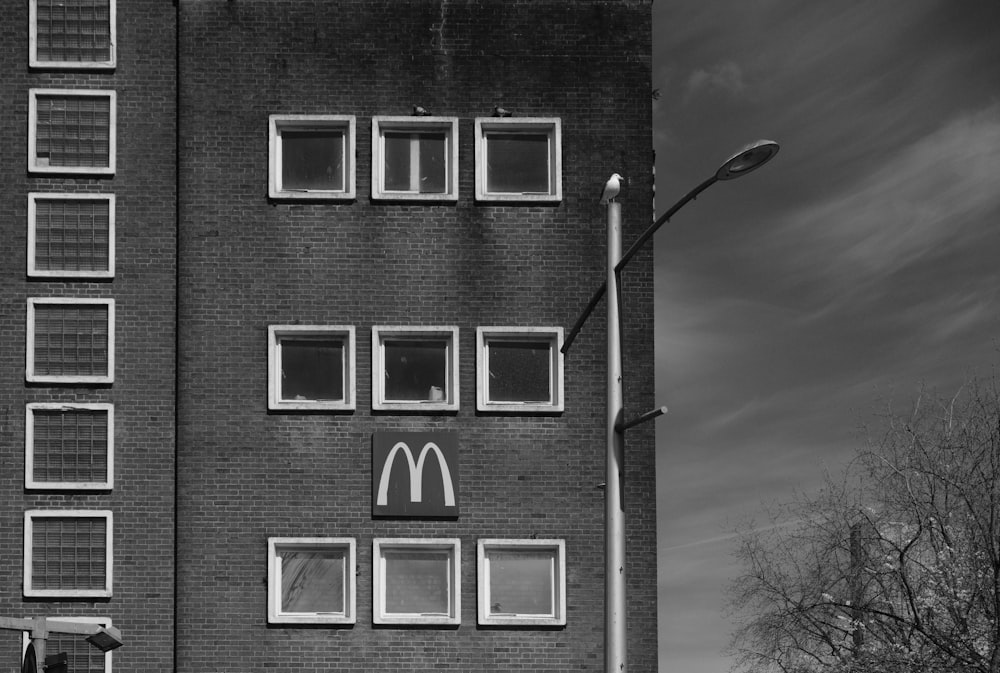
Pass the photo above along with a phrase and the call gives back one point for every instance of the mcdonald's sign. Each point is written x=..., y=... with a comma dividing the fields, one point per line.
x=415, y=474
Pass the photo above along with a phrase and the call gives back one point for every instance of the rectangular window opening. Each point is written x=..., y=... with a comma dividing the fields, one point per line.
x=517, y=163
x=519, y=369
x=414, y=158
x=522, y=582
x=415, y=368
x=311, y=580
x=69, y=446
x=416, y=581
x=312, y=160
x=71, y=131
x=415, y=371
x=72, y=34
x=518, y=159
x=71, y=235
x=70, y=340
x=311, y=157
x=67, y=553
x=311, y=367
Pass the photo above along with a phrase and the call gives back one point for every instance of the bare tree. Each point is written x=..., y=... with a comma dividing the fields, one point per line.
x=893, y=568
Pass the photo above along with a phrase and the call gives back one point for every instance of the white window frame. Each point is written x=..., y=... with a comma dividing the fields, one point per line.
x=549, y=125
x=553, y=336
x=450, y=546
x=279, y=123
x=486, y=615
x=30, y=374
x=31, y=515
x=33, y=166
x=33, y=199
x=448, y=125
x=275, y=615
x=29, y=447
x=275, y=333
x=100, y=621
x=382, y=333
x=34, y=62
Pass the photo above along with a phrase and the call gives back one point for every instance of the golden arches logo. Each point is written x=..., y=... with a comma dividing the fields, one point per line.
x=416, y=468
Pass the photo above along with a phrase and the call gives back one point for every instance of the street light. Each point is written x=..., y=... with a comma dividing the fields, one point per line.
x=104, y=638
x=748, y=159
x=744, y=161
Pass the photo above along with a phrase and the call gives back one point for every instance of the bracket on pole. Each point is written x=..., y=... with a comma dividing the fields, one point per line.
x=648, y=416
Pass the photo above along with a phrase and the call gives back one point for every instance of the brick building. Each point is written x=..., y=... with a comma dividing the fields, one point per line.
x=284, y=286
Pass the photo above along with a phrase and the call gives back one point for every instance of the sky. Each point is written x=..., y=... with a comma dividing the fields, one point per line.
x=862, y=262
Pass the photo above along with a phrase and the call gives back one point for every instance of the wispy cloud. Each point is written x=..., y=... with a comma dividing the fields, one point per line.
x=725, y=77
x=729, y=536
x=927, y=196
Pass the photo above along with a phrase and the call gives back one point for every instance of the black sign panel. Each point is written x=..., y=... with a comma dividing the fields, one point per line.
x=415, y=474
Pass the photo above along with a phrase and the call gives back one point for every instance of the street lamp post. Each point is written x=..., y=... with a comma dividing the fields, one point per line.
x=615, y=647
x=744, y=161
x=104, y=638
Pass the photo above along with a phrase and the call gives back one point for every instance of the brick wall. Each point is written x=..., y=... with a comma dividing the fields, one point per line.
x=247, y=262
x=142, y=497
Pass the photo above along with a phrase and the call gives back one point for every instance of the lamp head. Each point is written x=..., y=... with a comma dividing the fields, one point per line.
x=748, y=159
x=107, y=639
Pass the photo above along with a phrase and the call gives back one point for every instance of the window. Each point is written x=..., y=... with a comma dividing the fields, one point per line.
x=69, y=446
x=311, y=367
x=312, y=157
x=70, y=340
x=522, y=582
x=71, y=131
x=67, y=553
x=520, y=369
x=416, y=581
x=81, y=656
x=71, y=235
x=310, y=580
x=415, y=158
x=518, y=159
x=415, y=368
x=72, y=33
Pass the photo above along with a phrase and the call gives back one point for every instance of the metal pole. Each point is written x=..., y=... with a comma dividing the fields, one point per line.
x=39, y=634
x=614, y=498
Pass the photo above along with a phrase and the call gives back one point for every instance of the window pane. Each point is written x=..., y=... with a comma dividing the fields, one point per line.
x=70, y=446
x=433, y=169
x=520, y=371
x=517, y=163
x=312, y=160
x=521, y=582
x=397, y=162
x=71, y=340
x=416, y=582
x=312, y=580
x=415, y=162
x=74, y=30
x=73, y=131
x=312, y=369
x=68, y=553
x=72, y=235
x=81, y=656
x=416, y=370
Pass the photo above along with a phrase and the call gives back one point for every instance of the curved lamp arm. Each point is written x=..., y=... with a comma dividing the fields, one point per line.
x=747, y=159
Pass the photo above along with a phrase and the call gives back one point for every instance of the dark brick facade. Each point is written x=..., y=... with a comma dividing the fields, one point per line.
x=240, y=262
x=143, y=288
